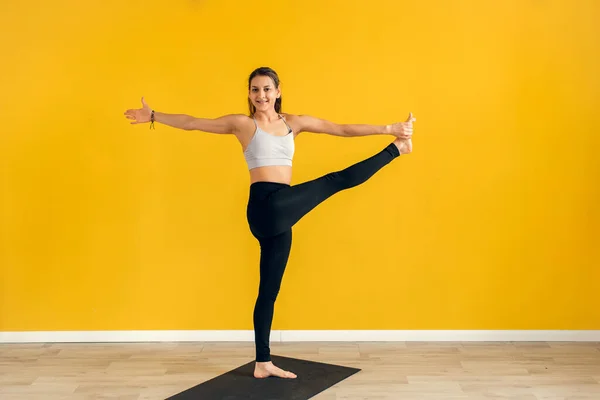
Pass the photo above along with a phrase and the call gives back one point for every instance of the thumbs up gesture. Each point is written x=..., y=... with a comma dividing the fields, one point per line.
x=403, y=130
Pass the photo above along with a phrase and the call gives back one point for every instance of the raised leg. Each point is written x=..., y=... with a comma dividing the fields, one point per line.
x=290, y=204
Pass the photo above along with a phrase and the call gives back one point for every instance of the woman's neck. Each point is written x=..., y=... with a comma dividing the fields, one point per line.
x=266, y=116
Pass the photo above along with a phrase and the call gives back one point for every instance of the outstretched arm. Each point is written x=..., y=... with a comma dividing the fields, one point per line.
x=307, y=123
x=223, y=125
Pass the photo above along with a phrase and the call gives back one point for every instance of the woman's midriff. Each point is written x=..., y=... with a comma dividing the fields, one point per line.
x=278, y=173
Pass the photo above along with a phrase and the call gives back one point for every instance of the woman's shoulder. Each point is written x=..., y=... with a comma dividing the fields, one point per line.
x=294, y=121
x=290, y=117
x=240, y=117
x=239, y=120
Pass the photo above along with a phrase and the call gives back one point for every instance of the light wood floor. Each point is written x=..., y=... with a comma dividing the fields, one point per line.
x=398, y=370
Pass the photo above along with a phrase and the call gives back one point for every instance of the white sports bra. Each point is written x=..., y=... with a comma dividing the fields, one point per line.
x=267, y=150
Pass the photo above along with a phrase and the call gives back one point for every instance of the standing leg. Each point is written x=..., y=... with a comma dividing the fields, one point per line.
x=274, y=254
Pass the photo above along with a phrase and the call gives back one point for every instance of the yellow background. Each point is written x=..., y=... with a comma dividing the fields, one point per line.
x=492, y=223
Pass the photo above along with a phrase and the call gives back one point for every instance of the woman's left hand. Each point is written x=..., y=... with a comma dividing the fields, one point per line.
x=403, y=130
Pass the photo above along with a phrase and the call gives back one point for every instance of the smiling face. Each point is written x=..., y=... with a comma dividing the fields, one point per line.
x=263, y=93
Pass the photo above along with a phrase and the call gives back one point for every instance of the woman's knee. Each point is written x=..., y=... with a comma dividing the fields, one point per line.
x=268, y=295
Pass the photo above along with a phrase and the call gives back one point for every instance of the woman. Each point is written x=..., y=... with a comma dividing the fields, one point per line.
x=274, y=206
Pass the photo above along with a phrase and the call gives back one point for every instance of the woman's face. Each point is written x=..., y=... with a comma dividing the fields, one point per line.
x=263, y=93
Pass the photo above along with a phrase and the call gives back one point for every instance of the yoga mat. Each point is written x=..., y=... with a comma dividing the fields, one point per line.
x=240, y=383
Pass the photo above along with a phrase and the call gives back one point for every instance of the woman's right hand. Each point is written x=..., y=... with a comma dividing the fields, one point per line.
x=140, y=115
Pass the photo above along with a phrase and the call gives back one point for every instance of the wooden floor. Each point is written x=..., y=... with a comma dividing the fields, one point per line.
x=398, y=370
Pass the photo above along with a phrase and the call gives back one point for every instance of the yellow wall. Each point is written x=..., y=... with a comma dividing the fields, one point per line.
x=492, y=223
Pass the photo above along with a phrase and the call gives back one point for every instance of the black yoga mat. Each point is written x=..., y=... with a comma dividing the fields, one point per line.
x=240, y=383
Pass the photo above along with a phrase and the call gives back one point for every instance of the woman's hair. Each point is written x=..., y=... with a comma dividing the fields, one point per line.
x=264, y=71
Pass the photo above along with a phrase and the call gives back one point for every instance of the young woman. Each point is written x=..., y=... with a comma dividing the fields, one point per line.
x=274, y=205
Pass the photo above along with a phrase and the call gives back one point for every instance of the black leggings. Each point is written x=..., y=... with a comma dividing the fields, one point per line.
x=273, y=208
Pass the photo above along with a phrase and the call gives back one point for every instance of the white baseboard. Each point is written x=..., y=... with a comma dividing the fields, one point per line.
x=304, y=336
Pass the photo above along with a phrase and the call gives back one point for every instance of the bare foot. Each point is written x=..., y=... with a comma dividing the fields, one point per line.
x=404, y=145
x=266, y=369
